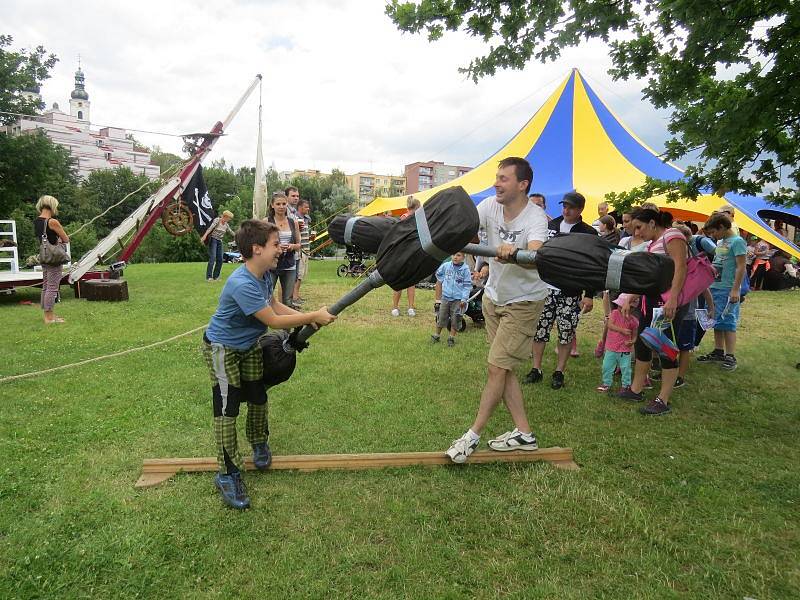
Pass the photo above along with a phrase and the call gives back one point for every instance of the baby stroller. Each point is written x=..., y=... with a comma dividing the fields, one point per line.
x=474, y=310
x=355, y=266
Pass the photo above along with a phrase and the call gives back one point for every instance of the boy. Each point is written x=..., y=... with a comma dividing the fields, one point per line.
x=234, y=358
x=729, y=261
x=453, y=285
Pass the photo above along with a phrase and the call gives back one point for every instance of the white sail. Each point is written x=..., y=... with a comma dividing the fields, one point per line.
x=260, y=185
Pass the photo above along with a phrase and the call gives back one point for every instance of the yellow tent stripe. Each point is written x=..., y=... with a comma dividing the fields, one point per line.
x=483, y=175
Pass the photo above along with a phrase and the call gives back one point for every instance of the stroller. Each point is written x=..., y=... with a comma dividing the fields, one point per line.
x=355, y=266
x=474, y=310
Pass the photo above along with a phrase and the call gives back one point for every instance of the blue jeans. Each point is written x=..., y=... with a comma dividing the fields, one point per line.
x=287, y=279
x=214, y=258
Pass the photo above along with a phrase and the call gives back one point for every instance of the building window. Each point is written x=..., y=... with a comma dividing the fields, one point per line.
x=80, y=114
x=108, y=155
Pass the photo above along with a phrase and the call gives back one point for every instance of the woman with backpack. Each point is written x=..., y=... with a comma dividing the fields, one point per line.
x=655, y=227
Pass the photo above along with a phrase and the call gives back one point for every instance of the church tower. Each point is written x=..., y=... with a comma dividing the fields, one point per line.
x=79, y=99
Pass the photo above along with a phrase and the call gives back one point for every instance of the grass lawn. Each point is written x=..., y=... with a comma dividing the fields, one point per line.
x=702, y=503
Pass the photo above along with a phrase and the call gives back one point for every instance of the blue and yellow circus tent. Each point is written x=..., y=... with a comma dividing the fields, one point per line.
x=575, y=142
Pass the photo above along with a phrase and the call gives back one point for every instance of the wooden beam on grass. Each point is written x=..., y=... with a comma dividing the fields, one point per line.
x=158, y=470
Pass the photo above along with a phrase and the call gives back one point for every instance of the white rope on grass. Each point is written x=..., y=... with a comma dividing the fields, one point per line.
x=97, y=358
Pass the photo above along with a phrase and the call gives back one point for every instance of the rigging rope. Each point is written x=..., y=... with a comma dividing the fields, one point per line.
x=97, y=358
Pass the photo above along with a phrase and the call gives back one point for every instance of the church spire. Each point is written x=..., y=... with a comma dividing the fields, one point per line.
x=79, y=99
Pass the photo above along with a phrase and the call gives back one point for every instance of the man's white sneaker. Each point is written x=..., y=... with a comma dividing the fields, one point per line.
x=461, y=448
x=514, y=440
x=395, y=312
x=412, y=312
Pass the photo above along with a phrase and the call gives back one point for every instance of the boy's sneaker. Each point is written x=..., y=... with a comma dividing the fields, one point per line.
x=451, y=341
x=435, y=339
x=514, y=440
x=558, y=380
x=461, y=448
x=232, y=489
x=655, y=408
x=262, y=456
x=534, y=376
x=603, y=388
x=716, y=355
x=627, y=393
x=679, y=382
x=395, y=312
x=729, y=362
x=412, y=312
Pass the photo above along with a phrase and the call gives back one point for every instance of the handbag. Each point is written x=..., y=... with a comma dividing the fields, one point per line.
x=52, y=254
x=657, y=340
x=700, y=274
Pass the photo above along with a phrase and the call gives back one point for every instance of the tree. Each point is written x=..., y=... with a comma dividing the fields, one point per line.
x=728, y=70
x=31, y=165
x=165, y=160
x=20, y=71
x=104, y=188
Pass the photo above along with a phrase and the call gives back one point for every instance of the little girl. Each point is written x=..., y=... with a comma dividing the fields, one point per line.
x=619, y=340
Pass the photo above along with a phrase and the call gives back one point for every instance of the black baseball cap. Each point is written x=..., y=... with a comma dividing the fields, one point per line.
x=574, y=199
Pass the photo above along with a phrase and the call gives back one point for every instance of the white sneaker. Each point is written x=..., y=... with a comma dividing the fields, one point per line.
x=395, y=312
x=514, y=440
x=412, y=312
x=461, y=448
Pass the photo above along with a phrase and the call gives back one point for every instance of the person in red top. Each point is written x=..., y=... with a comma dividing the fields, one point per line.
x=412, y=204
x=619, y=343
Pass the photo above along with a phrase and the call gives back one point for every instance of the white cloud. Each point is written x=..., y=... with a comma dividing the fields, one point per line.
x=342, y=87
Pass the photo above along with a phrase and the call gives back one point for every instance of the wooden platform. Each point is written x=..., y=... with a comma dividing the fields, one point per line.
x=158, y=470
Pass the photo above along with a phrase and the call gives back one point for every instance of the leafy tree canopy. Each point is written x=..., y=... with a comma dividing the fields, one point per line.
x=19, y=71
x=727, y=69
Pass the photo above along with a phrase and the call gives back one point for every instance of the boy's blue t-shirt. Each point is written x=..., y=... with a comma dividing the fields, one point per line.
x=233, y=325
x=456, y=281
x=725, y=260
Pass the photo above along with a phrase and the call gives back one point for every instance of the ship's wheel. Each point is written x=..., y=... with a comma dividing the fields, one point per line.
x=177, y=218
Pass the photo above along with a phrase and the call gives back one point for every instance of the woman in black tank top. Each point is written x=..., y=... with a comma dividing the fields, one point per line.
x=45, y=224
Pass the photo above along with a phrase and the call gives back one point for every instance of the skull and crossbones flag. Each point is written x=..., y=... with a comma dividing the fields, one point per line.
x=196, y=197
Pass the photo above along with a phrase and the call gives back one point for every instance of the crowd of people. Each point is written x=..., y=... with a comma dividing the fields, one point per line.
x=291, y=214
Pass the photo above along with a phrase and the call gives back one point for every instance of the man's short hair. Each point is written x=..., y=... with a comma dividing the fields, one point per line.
x=303, y=201
x=539, y=195
x=727, y=209
x=412, y=203
x=718, y=220
x=291, y=188
x=253, y=231
x=522, y=169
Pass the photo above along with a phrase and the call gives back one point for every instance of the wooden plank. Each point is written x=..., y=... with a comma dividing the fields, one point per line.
x=158, y=470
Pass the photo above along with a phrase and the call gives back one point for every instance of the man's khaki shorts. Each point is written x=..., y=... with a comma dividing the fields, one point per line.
x=302, y=266
x=510, y=329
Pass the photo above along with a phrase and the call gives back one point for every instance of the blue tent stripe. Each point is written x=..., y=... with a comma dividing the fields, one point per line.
x=551, y=155
x=639, y=156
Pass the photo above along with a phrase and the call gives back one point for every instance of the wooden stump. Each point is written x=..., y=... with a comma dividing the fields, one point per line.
x=158, y=470
x=113, y=290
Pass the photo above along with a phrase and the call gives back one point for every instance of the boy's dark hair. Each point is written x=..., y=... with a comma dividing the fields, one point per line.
x=608, y=221
x=718, y=221
x=661, y=217
x=252, y=232
x=522, y=169
x=291, y=188
x=692, y=227
x=303, y=201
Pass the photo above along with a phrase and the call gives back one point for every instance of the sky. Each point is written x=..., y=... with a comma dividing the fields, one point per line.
x=342, y=87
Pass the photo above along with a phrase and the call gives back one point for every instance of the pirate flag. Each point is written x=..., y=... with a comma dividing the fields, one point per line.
x=196, y=197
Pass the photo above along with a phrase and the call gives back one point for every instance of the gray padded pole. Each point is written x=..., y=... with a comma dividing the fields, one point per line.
x=523, y=257
x=371, y=282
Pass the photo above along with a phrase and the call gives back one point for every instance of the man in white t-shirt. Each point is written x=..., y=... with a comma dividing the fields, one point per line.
x=512, y=302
